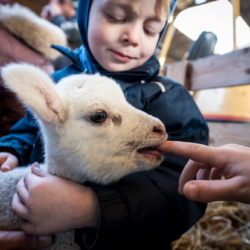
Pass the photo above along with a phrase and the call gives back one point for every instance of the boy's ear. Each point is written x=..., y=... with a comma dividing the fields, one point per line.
x=36, y=90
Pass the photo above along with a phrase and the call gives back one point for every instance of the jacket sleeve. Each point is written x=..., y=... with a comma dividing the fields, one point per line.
x=21, y=139
x=144, y=210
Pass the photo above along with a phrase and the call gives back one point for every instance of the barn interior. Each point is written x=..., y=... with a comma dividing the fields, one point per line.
x=220, y=85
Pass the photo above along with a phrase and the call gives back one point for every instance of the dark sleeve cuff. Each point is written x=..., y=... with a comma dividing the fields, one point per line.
x=9, y=150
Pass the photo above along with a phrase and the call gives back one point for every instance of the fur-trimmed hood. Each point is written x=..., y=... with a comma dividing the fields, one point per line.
x=38, y=33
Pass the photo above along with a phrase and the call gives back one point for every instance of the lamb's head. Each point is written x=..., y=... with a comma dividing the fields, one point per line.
x=91, y=132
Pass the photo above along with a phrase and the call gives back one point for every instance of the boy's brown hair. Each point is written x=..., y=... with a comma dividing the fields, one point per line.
x=162, y=7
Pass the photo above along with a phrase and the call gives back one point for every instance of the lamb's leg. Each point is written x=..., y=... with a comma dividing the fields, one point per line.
x=8, y=181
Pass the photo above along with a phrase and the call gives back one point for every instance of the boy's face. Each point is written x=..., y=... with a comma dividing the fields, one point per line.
x=121, y=38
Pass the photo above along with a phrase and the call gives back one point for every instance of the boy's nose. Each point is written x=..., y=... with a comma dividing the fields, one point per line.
x=131, y=37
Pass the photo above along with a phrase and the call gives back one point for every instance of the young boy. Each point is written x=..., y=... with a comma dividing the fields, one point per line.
x=142, y=210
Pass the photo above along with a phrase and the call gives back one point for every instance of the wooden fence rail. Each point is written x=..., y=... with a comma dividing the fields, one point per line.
x=232, y=69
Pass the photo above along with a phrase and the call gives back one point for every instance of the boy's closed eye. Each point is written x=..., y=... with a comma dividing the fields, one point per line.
x=152, y=30
x=115, y=19
x=123, y=12
x=148, y=30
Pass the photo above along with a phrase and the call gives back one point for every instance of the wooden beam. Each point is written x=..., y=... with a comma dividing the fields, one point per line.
x=231, y=69
x=236, y=13
x=222, y=133
x=179, y=72
x=182, y=5
x=168, y=37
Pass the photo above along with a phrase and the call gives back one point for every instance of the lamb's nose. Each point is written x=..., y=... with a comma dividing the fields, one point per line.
x=159, y=129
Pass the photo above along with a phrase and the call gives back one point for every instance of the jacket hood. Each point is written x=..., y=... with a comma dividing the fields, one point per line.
x=88, y=59
x=37, y=32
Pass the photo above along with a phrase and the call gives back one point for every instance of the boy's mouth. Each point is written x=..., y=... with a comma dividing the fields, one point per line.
x=121, y=56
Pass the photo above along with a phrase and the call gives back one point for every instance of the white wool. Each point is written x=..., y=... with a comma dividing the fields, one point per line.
x=76, y=147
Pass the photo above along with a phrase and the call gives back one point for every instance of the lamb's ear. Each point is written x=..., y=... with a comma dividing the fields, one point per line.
x=36, y=90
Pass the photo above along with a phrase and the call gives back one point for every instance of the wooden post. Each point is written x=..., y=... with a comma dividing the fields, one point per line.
x=166, y=43
x=236, y=13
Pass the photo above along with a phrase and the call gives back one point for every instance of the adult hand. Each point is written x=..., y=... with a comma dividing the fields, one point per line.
x=13, y=240
x=7, y=161
x=231, y=161
x=49, y=204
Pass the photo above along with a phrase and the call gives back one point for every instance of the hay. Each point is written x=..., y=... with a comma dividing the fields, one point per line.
x=225, y=226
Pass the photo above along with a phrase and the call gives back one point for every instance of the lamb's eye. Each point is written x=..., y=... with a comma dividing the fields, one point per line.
x=99, y=116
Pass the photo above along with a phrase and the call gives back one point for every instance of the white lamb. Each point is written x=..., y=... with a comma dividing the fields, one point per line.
x=90, y=133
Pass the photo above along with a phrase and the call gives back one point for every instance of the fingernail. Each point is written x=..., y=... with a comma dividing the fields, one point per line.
x=192, y=190
x=6, y=168
x=44, y=240
x=35, y=165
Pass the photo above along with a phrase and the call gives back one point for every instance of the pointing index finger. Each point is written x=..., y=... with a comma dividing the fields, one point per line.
x=196, y=152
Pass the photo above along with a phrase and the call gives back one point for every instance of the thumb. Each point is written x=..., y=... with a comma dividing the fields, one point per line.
x=9, y=164
x=209, y=191
x=34, y=241
x=37, y=170
x=19, y=240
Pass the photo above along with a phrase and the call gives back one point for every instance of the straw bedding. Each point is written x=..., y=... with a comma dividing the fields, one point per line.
x=225, y=226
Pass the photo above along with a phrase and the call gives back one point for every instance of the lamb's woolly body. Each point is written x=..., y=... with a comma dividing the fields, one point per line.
x=33, y=30
x=76, y=147
x=7, y=189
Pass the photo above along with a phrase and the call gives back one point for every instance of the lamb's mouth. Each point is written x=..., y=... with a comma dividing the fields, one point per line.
x=150, y=151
